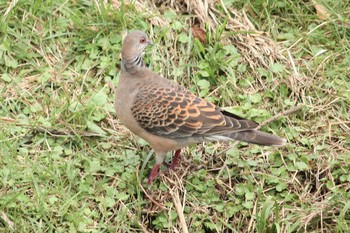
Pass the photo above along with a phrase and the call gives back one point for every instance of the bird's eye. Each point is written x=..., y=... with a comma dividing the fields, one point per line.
x=142, y=40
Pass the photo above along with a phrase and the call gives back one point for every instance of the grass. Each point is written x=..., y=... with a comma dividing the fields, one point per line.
x=66, y=165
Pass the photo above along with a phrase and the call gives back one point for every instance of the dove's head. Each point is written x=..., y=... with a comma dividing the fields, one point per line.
x=134, y=44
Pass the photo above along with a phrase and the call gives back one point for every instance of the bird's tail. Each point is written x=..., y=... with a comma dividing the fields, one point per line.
x=258, y=137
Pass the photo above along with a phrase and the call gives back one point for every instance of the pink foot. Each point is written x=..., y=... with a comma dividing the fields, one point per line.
x=172, y=166
x=175, y=161
x=154, y=173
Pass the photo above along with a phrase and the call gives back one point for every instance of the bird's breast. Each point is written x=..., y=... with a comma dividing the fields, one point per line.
x=124, y=99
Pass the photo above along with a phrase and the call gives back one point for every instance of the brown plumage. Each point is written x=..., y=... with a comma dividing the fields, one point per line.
x=169, y=116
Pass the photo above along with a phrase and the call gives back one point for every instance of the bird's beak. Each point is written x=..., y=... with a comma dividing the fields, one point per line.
x=150, y=42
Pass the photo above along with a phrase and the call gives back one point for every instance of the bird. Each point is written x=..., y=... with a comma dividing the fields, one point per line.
x=167, y=115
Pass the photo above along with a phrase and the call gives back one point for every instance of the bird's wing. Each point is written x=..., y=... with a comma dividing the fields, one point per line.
x=172, y=111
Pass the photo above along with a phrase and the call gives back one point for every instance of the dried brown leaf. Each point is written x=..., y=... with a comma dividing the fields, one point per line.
x=321, y=10
x=199, y=33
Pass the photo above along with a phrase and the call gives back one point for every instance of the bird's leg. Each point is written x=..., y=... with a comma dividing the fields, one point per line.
x=159, y=161
x=175, y=161
x=160, y=155
x=154, y=173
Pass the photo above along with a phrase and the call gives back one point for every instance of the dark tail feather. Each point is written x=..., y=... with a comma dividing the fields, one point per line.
x=258, y=137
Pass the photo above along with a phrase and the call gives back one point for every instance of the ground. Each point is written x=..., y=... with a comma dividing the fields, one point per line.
x=67, y=165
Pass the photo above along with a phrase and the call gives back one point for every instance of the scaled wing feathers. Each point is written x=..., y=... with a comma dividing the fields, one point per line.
x=171, y=111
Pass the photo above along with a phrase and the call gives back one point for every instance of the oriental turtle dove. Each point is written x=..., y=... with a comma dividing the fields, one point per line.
x=167, y=115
